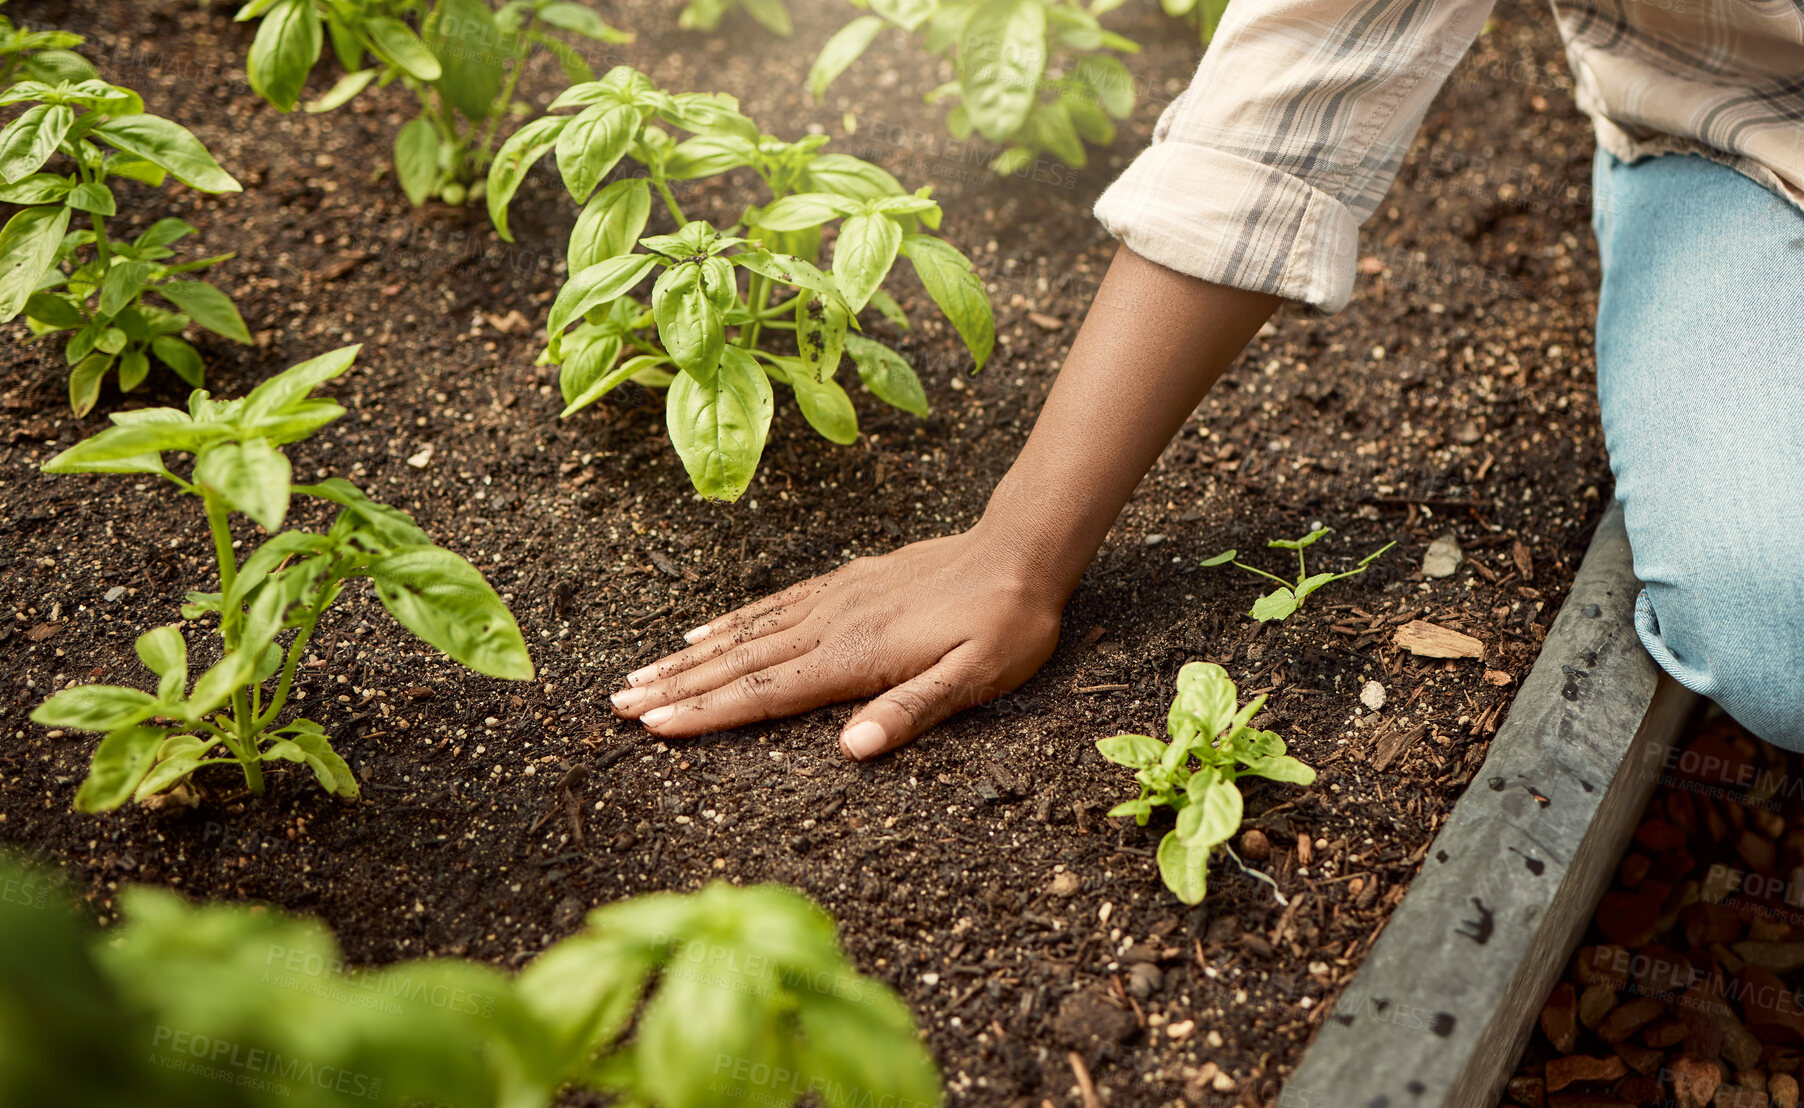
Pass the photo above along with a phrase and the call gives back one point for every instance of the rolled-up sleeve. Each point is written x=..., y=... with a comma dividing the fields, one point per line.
x=1287, y=139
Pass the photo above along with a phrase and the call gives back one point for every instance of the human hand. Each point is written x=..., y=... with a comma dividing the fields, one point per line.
x=934, y=628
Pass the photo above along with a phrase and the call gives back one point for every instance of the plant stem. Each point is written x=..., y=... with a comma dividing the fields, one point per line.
x=499, y=107
x=295, y=650
x=757, y=293
x=670, y=203
x=1262, y=573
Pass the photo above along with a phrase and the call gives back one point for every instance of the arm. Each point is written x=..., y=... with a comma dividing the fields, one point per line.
x=942, y=625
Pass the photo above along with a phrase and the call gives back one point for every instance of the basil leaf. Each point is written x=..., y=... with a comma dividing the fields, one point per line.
x=610, y=223
x=288, y=42
x=516, y=156
x=1185, y=869
x=207, y=306
x=416, y=159
x=29, y=141
x=396, y=42
x=445, y=601
x=885, y=373
x=120, y=763
x=862, y=256
x=251, y=476
x=689, y=324
x=954, y=285
x=1002, y=55
x=596, y=285
x=841, y=51
x=719, y=424
x=467, y=42
x=28, y=248
x=592, y=144
x=169, y=146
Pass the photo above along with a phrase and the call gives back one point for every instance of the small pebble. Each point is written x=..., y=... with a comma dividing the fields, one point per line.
x=1372, y=696
x=114, y=593
x=1443, y=557
x=1065, y=884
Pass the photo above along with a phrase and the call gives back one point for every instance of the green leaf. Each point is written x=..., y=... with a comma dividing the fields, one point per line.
x=954, y=285
x=1001, y=57
x=803, y=210
x=1277, y=604
x=95, y=708
x=610, y=223
x=908, y=14
x=1299, y=544
x=181, y=357
x=166, y=653
x=841, y=51
x=314, y=751
x=859, y=1048
x=585, y=361
x=790, y=270
x=826, y=407
x=719, y=425
x=689, y=324
x=820, y=335
x=1111, y=81
x=1184, y=869
x=469, y=46
x=595, y=286
x=343, y=90
x=285, y=389
x=1049, y=127
x=706, y=156
x=120, y=763
x=445, y=601
x=584, y=990
x=888, y=308
x=39, y=188
x=164, y=232
x=1205, y=700
x=288, y=42
x=176, y=758
x=125, y=279
x=590, y=389
x=862, y=256
x=85, y=380
x=208, y=307
x=29, y=141
x=772, y=14
x=516, y=156
x=252, y=476
x=1222, y=559
x=724, y=1009
x=1138, y=751
x=396, y=42
x=1141, y=810
x=416, y=159
x=55, y=310
x=1213, y=814
x=709, y=113
x=114, y=451
x=28, y=246
x=580, y=20
x=170, y=146
x=854, y=178
x=592, y=144
x=92, y=197
x=1281, y=767
x=885, y=373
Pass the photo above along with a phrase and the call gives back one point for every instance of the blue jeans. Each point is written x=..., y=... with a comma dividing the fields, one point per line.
x=1700, y=376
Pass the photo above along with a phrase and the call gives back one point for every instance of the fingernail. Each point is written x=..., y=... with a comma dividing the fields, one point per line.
x=656, y=716
x=641, y=676
x=862, y=740
x=626, y=698
x=698, y=634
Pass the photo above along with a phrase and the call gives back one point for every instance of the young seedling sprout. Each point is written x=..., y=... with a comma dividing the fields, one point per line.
x=1289, y=596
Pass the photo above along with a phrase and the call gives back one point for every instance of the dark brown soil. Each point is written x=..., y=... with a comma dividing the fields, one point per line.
x=1454, y=395
x=1685, y=990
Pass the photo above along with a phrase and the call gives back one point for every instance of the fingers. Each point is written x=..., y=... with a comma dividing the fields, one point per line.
x=750, y=613
x=738, y=661
x=784, y=689
x=771, y=620
x=958, y=681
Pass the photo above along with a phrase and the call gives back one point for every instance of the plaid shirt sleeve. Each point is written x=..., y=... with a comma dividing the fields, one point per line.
x=1287, y=139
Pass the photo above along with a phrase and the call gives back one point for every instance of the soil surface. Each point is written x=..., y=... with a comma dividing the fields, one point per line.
x=1685, y=990
x=974, y=870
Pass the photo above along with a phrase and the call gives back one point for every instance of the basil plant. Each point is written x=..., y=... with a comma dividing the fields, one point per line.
x=229, y=714
x=463, y=65
x=85, y=282
x=716, y=344
x=1212, y=746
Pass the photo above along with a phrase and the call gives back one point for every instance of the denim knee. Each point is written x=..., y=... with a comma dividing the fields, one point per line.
x=1728, y=622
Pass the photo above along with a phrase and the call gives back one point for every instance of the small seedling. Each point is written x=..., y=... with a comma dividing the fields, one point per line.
x=705, y=15
x=1205, y=728
x=85, y=282
x=1289, y=595
x=41, y=55
x=155, y=742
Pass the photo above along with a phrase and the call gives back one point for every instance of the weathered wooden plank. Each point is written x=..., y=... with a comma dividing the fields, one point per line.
x=1442, y=1006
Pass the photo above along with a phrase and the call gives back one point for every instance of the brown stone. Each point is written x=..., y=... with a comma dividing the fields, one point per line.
x=1713, y=1029
x=1626, y=1019
x=1783, y=1089
x=1656, y=835
x=1643, y=1060
x=1255, y=847
x=1770, y=1008
x=1710, y=923
x=1606, y=962
x=1633, y=869
x=1639, y=1090
x=1559, y=1018
x=1694, y=1081
x=1738, y=1096
x=1562, y=1072
x=1681, y=812
x=1664, y=1034
x=1765, y=929
x=1527, y=1090
x=1756, y=850
x=1595, y=1003
x=1772, y=957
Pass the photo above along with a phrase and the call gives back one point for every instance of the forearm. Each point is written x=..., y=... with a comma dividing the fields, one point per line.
x=1152, y=344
